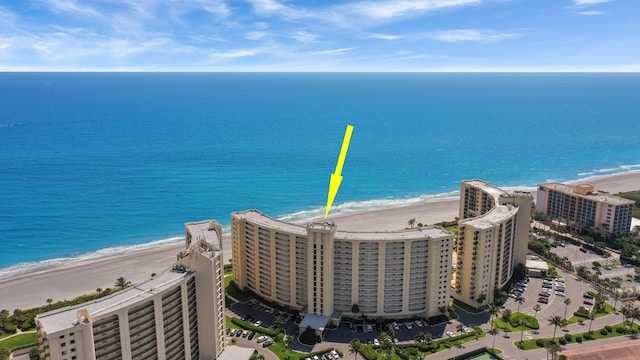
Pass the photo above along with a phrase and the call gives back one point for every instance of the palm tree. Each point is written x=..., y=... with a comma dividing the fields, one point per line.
x=591, y=317
x=411, y=222
x=4, y=316
x=287, y=342
x=99, y=291
x=122, y=283
x=428, y=338
x=354, y=347
x=555, y=321
x=635, y=315
x=537, y=308
x=520, y=300
x=460, y=328
x=567, y=301
x=420, y=336
x=495, y=331
x=522, y=323
x=494, y=310
x=552, y=347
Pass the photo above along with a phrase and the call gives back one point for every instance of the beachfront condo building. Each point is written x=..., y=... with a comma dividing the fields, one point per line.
x=582, y=205
x=178, y=314
x=493, y=231
x=323, y=271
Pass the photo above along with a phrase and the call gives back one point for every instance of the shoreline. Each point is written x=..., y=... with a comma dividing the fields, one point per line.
x=85, y=276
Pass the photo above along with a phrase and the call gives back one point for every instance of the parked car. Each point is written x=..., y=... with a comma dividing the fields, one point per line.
x=588, y=302
x=450, y=334
x=587, y=295
x=262, y=339
x=543, y=300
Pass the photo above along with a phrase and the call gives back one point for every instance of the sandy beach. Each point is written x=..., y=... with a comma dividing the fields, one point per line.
x=71, y=280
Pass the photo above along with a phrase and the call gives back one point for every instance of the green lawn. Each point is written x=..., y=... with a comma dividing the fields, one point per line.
x=465, y=307
x=19, y=341
x=595, y=335
x=502, y=324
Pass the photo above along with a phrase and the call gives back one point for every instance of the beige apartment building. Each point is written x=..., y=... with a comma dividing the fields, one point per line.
x=323, y=271
x=583, y=205
x=492, y=240
x=178, y=314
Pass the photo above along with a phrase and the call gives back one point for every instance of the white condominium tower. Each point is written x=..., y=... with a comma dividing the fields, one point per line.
x=316, y=267
x=178, y=314
x=582, y=205
x=492, y=240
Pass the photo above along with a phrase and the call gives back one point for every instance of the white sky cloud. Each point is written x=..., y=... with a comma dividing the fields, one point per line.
x=589, y=2
x=304, y=37
x=232, y=54
x=392, y=9
x=332, y=51
x=590, y=13
x=384, y=37
x=461, y=35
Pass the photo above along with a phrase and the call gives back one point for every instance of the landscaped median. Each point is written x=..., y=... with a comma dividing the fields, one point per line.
x=413, y=351
x=619, y=329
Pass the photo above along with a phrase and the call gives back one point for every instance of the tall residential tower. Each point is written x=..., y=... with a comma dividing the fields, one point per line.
x=492, y=240
x=178, y=314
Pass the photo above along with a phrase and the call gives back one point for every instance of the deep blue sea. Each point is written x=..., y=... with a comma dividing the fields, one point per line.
x=93, y=164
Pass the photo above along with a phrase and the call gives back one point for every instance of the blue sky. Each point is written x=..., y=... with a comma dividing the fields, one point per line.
x=314, y=35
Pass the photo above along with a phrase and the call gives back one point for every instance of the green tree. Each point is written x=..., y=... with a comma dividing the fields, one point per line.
x=428, y=338
x=553, y=348
x=411, y=222
x=567, y=301
x=49, y=301
x=34, y=354
x=555, y=321
x=355, y=308
x=494, y=331
x=354, y=347
x=591, y=318
x=4, y=354
x=494, y=310
x=522, y=324
x=520, y=300
x=460, y=328
x=4, y=316
x=536, y=308
x=122, y=283
x=420, y=336
x=506, y=315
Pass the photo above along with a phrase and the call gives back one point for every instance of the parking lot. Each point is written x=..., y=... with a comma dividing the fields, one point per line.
x=580, y=258
x=574, y=289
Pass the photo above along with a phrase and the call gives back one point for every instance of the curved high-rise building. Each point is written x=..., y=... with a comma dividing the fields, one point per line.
x=316, y=267
x=492, y=239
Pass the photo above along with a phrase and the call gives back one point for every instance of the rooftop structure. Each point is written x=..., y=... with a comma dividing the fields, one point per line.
x=584, y=206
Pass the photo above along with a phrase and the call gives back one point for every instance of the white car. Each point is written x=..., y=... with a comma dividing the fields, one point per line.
x=262, y=338
x=450, y=334
x=376, y=342
x=258, y=323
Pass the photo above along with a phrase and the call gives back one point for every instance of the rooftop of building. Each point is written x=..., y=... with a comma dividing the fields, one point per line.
x=258, y=217
x=205, y=230
x=234, y=352
x=486, y=187
x=593, y=195
x=492, y=217
x=65, y=318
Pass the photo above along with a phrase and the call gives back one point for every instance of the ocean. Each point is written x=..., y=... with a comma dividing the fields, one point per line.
x=95, y=164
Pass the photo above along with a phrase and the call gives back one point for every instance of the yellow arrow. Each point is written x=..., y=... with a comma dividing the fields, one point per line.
x=336, y=178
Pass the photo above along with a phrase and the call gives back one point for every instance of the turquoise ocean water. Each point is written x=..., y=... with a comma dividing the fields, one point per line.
x=93, y=164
